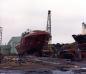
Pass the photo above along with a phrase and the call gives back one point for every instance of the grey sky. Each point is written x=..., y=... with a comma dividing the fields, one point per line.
x=18, y=15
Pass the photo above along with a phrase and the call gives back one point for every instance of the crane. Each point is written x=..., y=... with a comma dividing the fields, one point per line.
x=48, y=29
x=49, y=22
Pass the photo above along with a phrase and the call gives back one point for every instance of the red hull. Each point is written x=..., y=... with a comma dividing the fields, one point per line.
x=33, y=42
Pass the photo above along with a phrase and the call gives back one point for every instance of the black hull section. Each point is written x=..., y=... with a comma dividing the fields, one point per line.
x=80, y=39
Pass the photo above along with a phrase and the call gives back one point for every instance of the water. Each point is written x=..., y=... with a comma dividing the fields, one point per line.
x=25, y=72
x=39, y=72
x=11, y=72
x=62, y=72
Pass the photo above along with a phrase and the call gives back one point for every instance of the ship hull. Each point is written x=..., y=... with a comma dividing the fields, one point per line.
x=33, y=43
x=81, y=44
x=80, y=38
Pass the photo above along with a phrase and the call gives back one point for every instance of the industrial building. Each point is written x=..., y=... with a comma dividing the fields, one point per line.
x=5, y=49
x=12, y=43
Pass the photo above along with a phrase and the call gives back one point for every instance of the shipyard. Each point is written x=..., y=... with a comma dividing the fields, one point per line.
x=34, y=50
x=46, y=49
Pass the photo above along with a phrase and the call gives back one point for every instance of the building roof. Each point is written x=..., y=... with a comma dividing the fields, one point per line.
x=14, y=40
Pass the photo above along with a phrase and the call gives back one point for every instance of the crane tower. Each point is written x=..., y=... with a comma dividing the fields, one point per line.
x=49, y=22
x=0, y=35
x=48, y=29
x=49, y=25
x=47, y=50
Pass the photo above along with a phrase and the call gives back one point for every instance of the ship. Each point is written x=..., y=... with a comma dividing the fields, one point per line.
x=35, y=42
x=80, y=40
x=77, y=49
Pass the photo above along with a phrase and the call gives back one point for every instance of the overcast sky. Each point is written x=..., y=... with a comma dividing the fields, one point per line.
x=18, y=15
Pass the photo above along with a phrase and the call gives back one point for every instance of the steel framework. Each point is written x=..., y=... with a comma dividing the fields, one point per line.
x=0, y=35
